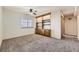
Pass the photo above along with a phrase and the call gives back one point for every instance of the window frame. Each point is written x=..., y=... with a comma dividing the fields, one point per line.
x=25, y=21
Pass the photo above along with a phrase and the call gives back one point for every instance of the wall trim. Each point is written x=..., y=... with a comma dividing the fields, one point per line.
x=17, y=37
x=1, y=42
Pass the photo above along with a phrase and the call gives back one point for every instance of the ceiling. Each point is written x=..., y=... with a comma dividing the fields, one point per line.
x=66, y=10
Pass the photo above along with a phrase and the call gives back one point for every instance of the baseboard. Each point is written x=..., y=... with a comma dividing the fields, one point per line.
x=16, y=37
x=0, y=42
x=69, y=36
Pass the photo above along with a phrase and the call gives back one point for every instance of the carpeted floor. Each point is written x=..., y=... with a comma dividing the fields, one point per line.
x=38, y=43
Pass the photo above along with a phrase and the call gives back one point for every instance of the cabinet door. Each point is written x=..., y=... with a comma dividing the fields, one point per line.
x=47, y=33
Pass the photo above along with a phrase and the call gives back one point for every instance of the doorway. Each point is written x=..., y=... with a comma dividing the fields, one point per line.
x=69, y=26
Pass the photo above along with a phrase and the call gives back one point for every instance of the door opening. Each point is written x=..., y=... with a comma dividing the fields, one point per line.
x=69, y=26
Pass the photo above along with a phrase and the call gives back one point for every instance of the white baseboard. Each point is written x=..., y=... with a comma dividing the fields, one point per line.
x=0, y=42
x=15, y=37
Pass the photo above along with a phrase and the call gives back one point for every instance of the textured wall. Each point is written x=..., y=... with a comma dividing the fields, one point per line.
x=12, y=26
x=0, y=25
x=56, y=24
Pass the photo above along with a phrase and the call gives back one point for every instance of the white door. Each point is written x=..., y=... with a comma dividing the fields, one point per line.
x=71, y=26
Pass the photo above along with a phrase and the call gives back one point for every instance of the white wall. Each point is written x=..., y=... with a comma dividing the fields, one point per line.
x=11, y=25
x=78, y=26
x=0, y=25
x=56, y=24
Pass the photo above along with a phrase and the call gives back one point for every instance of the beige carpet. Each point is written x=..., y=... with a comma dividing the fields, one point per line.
x=38, y=43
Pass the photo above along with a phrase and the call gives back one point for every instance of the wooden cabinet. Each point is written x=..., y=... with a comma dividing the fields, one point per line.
x=47, y=32
x=39, y=31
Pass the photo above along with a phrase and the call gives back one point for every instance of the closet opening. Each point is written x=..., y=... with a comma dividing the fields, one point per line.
x=43, y=25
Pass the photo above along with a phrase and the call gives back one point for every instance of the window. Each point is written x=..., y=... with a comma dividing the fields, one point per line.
x=26, y=22
x=29, y=23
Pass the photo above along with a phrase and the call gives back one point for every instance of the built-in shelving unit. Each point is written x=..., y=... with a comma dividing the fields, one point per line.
x=43, y=24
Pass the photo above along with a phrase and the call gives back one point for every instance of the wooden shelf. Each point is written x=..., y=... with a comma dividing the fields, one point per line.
x=39, y=22
x=46, y=21
x=39, y=26
x=46, y=24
